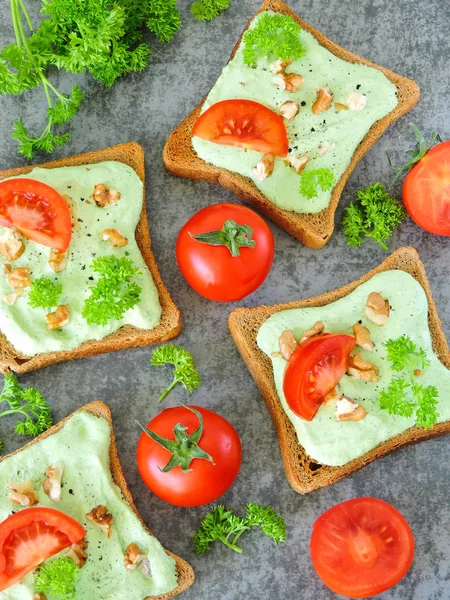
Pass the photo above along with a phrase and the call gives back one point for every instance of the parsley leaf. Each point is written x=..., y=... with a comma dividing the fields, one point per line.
x=114, y=293
x=274, y=36
x=311, y=180
x=185, y=371
x=427, y=399
x=403, y=353
x=44, y=293
x=226, y=526
x=206, y=10
x=417, y=153
x=374, y=215
x=28, y=402
x=57, y=578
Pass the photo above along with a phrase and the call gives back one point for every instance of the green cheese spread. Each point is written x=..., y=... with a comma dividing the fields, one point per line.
x=306, y=132
x=82, y=446
x=25, y=327
x=325, y=439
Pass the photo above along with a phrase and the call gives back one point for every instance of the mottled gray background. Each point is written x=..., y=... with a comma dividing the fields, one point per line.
x=408, y=36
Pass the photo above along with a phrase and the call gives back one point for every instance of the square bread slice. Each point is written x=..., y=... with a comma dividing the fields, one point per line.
x=303, y=473
x=100, y=410
x=313, y=230
x=131, y=154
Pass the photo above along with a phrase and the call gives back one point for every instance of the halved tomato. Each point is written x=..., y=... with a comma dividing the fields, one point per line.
x=314, y=369
x=31, y=536
x=243, y=123
x=361, y=547
x=426, y=191
x=37, y=211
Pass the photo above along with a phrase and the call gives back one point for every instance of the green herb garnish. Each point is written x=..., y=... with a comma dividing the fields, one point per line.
x=114, y=292
x=404, y=396
x=226, y=526
x=26, y=402
x=374, y=215
x=312, y=180
x=206, y=10
x=185, y=371
x=44, y=293
x=417, y=153
x=57, y=578
x=274, y=36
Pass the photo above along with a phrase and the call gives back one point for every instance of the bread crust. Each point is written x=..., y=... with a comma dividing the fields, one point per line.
x=131, y=154
x=99, y=409
x=313, y=230
x=303, y=473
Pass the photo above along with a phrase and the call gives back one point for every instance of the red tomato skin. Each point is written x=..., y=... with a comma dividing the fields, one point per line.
x=205, y=482
x=211, y=270
x=52, y=209
x=338, y=569
x=426, y=191
x=69, y=529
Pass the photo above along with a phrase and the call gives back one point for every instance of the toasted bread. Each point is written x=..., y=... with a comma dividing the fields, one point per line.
x=303, y=473
x=313, y=230
x=99, y=409
x=131, y=154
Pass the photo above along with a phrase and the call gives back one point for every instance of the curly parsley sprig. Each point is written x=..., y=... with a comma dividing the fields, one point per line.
x=404, y=396
x=206, y=10
x=44, y=293
x=185, y=371
x=274, y=36
x=226, y=526
x=28, y=403
x=57, y=578
x=313, y=179
x=374, y=215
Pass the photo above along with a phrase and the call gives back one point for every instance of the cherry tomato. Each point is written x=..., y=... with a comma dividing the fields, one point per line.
x=212, y=270
x=31, y=536
x=243, y=123
x=314, y=369
x=37, y=211
x=426, y=191
x=361, y=547
x=204, y=480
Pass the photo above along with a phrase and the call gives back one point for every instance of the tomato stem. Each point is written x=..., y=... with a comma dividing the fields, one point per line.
x=232, y=235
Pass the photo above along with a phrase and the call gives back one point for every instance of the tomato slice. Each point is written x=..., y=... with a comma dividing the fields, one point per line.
x=243, y=123
x=361, y=547
x=37, y=211
x=314, y=369
x=31, y=536
x=426, y=191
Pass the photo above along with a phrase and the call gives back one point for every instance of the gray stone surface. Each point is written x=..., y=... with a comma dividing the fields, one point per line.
x=408, y=36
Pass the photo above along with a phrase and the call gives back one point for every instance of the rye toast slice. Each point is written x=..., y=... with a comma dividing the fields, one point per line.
x=101, y=410
x=313, y=230
x=131, y=154
x=303, y=473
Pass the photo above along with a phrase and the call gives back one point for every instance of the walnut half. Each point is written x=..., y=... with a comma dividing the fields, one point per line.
x=78, y=553
x=289, y=82
x=100, y=516
x=287, y=343
x=104, y=195
x=59, y=318
x=361, y=369
x=58, y=261
x=19, y=278
x=52, y=484
x=324, y=98
x=362, y=337
x=11, y=245
x=377, y=309
x=264, y=168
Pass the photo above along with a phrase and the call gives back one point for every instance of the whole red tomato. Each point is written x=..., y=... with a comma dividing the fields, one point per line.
x=197, y=469
x=225, y=251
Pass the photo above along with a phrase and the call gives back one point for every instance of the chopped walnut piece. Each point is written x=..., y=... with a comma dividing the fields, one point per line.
x=19, y=278
x=279, y=66
x=338, y=106
x=356, y=101
x=324, y=98
x=325, y=148
x=377, y=309
x=12, y=298
x=134, y=557
x=100, y=516
x=289, y=82
x=362, y=337
x=39, y=596
x=418, y=372
x=361, y=369
x=52, y=485
x=287, y=343
x=23, y=493
x=299, y=162
x=78, y=554
x=103, y=195
x=264, y=168
x=7, y=269
x=115, y=237
x=332, y=396
x=58, y=261
x=59, y=318
x=289, y=109
x=349, y=410
x=11, y=245
x=317, y=328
